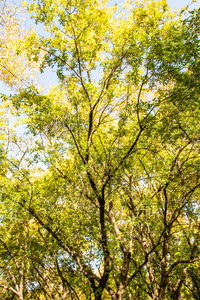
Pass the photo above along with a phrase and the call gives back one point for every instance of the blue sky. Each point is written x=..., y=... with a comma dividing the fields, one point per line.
x=182, y=3
x=50, y=77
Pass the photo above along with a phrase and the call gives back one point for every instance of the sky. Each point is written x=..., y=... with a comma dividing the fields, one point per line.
x=174, y=4
x=177, y=4
x=49, y=75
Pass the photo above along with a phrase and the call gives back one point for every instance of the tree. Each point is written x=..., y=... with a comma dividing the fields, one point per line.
x=15, y=70
x=117, y=202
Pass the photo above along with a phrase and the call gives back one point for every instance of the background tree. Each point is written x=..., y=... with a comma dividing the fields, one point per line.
x=15, y=70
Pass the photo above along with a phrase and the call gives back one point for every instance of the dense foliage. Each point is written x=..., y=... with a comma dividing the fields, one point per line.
x=100, y=184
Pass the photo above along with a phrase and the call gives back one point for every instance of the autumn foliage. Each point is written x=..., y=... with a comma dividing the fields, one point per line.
x=99, y=173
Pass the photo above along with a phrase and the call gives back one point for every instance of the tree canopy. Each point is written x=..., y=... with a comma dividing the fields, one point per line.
x=100, y=174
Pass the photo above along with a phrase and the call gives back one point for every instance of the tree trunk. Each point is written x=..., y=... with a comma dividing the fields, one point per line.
x=162, y=289
x=120, y=293
x=98, y=297
x=20, y=297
